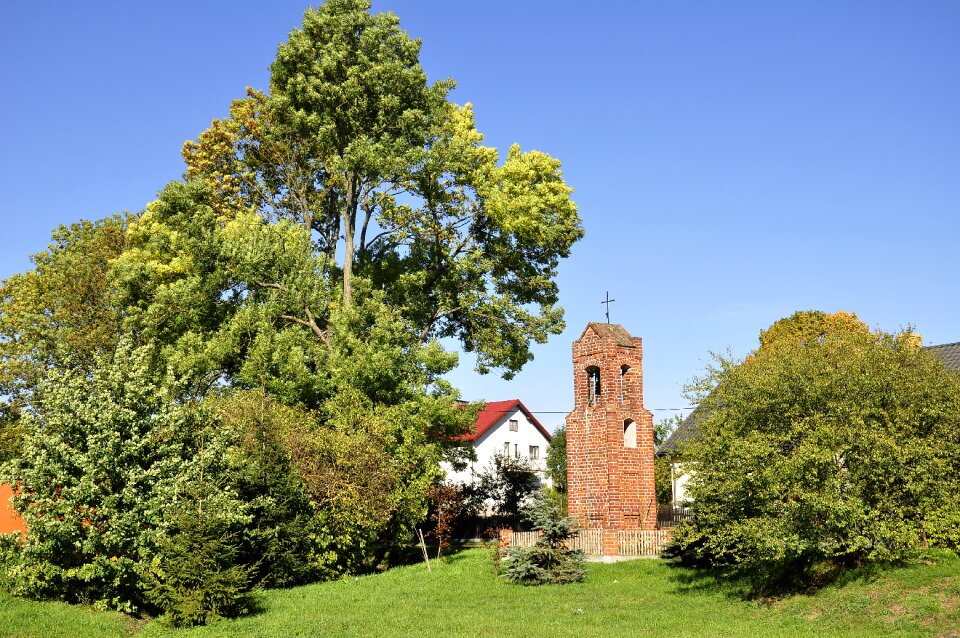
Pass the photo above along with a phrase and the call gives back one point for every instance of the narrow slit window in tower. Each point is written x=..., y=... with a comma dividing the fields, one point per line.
x=629, y=433
x=593, y=385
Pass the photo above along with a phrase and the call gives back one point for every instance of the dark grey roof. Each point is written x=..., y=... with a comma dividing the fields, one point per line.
x=688, y=430
x=949, y=353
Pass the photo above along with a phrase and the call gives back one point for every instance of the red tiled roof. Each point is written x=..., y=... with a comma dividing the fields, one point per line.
x=493, y=411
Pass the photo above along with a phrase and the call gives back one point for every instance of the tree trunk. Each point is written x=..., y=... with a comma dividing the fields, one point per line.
x=349, y=228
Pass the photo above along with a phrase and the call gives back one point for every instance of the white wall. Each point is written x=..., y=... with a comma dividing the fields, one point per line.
x=680, y=475
x=494, y=440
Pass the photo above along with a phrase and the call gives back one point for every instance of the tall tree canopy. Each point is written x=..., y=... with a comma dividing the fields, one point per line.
x=392, y=185
x=60, y=310
x=830, y=444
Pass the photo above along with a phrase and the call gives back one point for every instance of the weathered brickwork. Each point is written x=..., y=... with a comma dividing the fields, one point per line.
x=610, y=436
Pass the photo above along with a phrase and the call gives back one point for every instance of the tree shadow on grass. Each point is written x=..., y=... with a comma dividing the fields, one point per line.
x=772, y=582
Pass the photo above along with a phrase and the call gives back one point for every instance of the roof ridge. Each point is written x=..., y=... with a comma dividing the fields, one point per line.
x=487, y=418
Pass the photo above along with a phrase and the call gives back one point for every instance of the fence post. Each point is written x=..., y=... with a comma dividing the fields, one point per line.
x=610, y=542
x=505, y=538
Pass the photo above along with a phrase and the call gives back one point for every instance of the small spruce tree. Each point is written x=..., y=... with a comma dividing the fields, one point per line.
x=197, y=575
x=550, y=561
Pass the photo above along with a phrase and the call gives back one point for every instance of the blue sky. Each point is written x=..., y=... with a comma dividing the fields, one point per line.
x=733, y=162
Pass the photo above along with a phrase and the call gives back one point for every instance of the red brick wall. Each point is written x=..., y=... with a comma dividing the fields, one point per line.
x=610, y=486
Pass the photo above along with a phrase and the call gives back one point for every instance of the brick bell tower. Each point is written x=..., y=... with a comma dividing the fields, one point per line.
x=610, y=436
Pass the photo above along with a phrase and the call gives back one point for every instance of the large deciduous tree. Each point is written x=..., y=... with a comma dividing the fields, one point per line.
x=392, y=185
x=62, y=311
x=829, y=445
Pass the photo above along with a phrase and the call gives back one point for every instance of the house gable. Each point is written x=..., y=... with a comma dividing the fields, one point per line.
x=493, y=435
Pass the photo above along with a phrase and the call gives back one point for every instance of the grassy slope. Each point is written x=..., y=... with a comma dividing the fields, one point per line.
x=463, y=598
x=26, y=619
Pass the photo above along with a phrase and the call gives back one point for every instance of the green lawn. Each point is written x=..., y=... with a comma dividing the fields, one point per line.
x=462, y=598
x=27, y=619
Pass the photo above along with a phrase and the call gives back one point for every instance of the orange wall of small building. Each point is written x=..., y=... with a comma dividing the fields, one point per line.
x=10, y=521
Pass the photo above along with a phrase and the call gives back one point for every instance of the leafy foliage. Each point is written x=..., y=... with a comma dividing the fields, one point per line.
x=60, y=313
x=401, y=176
x=663, y=428
x=503, y=488
x=557, y=459
x=663, y=480
x=99, y=464
x=807, y=326
x=550, y=561
x=62, y=310
x=662, y=466
x=277, y=543
x=446, y=501
x=826, y=445
x=196, y=576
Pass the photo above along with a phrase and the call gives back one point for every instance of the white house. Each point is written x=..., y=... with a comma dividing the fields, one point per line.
x=505, y=427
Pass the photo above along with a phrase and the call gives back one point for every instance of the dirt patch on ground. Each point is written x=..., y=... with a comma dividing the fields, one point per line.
x=948, y=601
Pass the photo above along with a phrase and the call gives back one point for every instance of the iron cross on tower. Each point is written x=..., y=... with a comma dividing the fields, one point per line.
x=608, y=302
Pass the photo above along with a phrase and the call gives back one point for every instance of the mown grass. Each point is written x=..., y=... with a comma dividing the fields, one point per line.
x=462, y=597
x=28, y=619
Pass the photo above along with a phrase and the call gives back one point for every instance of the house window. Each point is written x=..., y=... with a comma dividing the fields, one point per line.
x=593, y=385
x=516, y=450
x=514, y=425
x=506, y=449
x=534, y=452
x=629, y=433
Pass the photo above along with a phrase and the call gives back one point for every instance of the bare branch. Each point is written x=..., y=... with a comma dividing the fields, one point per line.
x=437, y=316
x=309, y=322
x=272, y=284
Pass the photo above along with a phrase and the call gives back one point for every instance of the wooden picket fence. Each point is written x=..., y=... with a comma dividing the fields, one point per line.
x=642, y=542
x=633, y=542
x=590, y=541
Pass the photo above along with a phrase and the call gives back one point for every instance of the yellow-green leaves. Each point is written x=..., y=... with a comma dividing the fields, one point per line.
x=394, y=186
x=528, y=199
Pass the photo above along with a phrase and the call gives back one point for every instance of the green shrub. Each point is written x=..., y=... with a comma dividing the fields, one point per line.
x=503, y=486
x=829, y=446
x=278, y=542
x=98, y=465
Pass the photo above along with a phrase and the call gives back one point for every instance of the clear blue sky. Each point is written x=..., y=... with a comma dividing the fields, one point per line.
x=733, y=162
